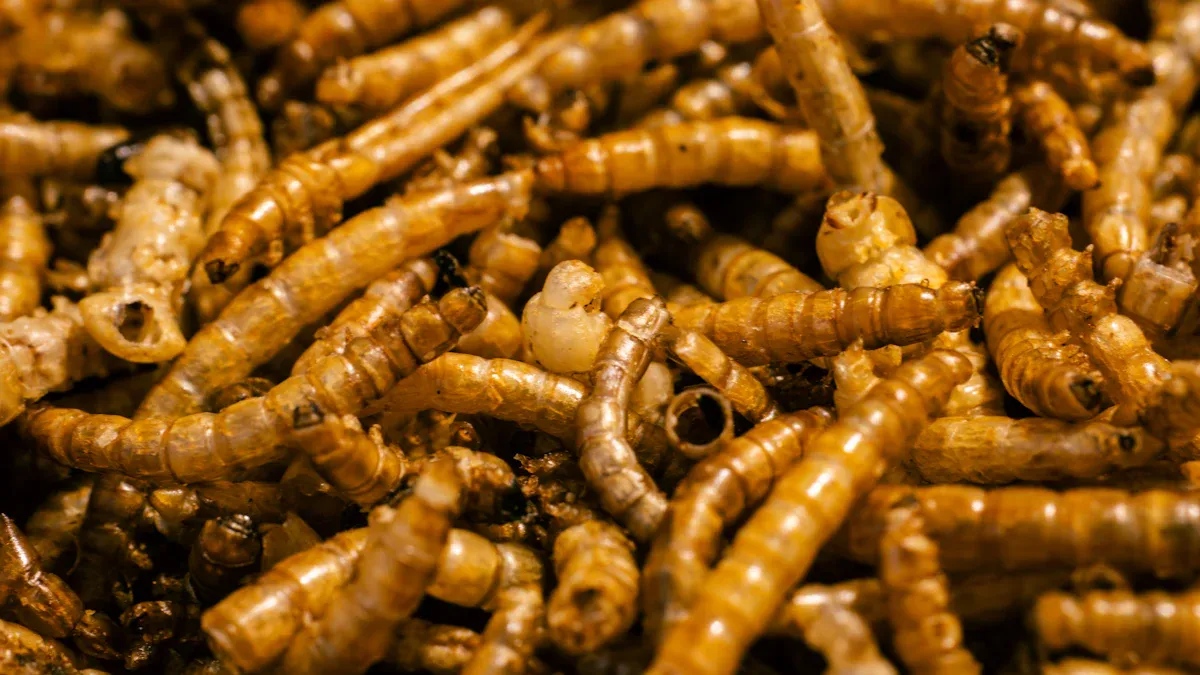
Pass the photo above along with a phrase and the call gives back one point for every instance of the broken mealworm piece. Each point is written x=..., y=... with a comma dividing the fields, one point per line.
x=692, y=429
x=777, y=545
x=595, y=600
x=737, y=384
x=53, y=527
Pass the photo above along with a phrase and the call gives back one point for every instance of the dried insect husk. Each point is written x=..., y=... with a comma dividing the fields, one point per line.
x=976, y=107
x=713, y=495
x=179, y=512
x=24, y=250
x=808, y=502
x=39, y=599
x=595, y=600
x=689, y=429
x=1038, y=366
x=1029, y=528
x=52, y=528
x=226, y=551
x=282, y=541
x=436, y=648
x=312, y=281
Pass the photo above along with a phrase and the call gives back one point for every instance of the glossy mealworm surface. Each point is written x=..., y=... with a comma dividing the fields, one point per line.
x=599, y=337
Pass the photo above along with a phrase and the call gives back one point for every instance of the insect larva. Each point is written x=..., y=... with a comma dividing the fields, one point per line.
x=729, y=267
x=622, y=43
x=339, y=30
x=312, y=281
x=24, y=652
x=927, y=635
x=398, y=561
x=250, y=387
x=977, y=109
x=376, y=82
x=1088, y=667
x=563, y=325
x=24, y=250
x=362, y=470
x=677, y=293
x=977, y=246
x=846, y=642
x=608, y=461
x=626, y=277
x=303, y=196
x=502, y=262
x=179, y=512
x=219, y=92
x=977, y=599
x=715, y=494
x=1026, y=528
x=107, y=543
x=830, y=96
x=856, y=371
x=1160, y=286
x=1049, y=118
x=512, y=634
x=52, y=528
x=1061, y=280
x=796, y=327
x=226, y=550
x=213, y=446
x=138, y=270
x=1175, y=407
x=729, y=151
x=774, y=549
x=1046, y=26
x=436, y=648
x=744, y=391
x=868, y=241
x=1038, y=366
x=29, y=147
x=1127, y=628
x=596, y=597
x=576, y=240
x=263, y=24
x=56, y=58
x=45, y=352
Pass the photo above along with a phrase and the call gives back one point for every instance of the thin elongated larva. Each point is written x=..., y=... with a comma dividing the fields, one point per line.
x=732, y=90
x=361, y=469
x=502, y=262
x=45, y=352
x=845, y=640
x=796, y=327
x=214, y=446
x=830, y=96
x=622, y=485
x=263, y=24
x=1050, y=120
x=219, y=92
x=728, y=151
x=302, y=197
x=252, y=626
x=976, y=246
x=620, y=44
x=774, y=549
x=342, y=29
x=868, y=240
x=990, y=450
x=563, y=325
x=24, y=250
x=1028, y=528
x=512, y=634
x=1043, y=371
x=976, y=108
x=139, y=268
x=1150, y=628
x=398, y=562
x=977, y=599
x=260, y=321
x=29, y=147
x=1061, y=280
x=391, y=294
x=43, y=601
x=375, y=82
x=716, y=492
x=52, y=528
x=728, y=267
x=225, y=552
x=1045, y=25
x=56, y=57
x=744, y=391
x=927, y=635
x=595, y=600
x=24, y=652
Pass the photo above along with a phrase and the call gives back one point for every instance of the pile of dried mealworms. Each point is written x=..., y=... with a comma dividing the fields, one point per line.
x=688, y=337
